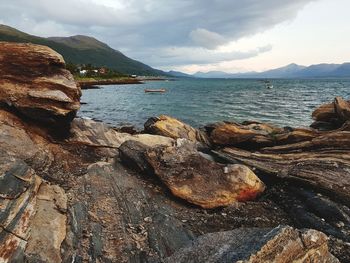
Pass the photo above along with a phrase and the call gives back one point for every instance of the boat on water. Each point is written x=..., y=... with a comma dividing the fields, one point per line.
x=155, y=90
x=268, y=84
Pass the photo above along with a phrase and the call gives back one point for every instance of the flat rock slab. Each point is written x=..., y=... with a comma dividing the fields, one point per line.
x=255, y=245
x=200, y=181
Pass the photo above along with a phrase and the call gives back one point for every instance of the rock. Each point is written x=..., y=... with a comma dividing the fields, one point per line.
x=256, y=135
x=35, y=82
x=132, y=152
x=18, y=188
x=342, y=109
x=335, y=114
x=200, y=181
x=173, y=128
x=32, y=214
x=95, y=134
x=314, y=162
x=99, y=134
x=153, y=140
x=282, y=244
x=48, y=227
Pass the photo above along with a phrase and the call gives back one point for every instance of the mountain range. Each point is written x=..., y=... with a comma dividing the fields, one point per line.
x=289, y=71
x=82, y=50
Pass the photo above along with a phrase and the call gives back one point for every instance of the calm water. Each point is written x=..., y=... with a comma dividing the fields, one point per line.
x=199, y=102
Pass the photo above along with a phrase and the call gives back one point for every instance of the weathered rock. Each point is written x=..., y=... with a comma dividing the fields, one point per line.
x=116, y=217
x=332, y=115
x=18, y=188
x=282, y=244
x=200, y=181
x=48, y=227
x=257, y=135
x=342, y=109
x=132, y=152
x=34, y=81
x=323, y=162
x=173, y=128
x=32, y=219
x=96, y=134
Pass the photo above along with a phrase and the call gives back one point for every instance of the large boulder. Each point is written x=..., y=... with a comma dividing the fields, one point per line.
x=35, y=82
x=254, y=245
x=333, y=115
x=199, y=180
x=173, y=128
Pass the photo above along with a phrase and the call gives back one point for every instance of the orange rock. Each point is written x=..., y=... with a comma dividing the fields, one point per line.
x=35, y=82
x=200, y=181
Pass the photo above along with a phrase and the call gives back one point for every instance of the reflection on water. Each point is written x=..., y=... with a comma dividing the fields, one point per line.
x=202, y=101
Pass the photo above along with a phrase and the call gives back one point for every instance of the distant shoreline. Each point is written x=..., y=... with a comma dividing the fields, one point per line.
x=93, y=83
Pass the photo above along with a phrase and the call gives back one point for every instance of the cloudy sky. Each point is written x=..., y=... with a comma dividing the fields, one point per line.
x=198, y=35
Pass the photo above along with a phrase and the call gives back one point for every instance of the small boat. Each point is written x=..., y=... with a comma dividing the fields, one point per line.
x=268, y=84
x=155, y=90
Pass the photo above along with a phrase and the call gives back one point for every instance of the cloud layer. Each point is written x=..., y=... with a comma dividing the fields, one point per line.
x=162, y=33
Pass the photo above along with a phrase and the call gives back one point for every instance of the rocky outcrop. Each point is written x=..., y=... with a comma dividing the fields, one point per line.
x=333, y=115
x=257, y=135
x=99, y=195
x=200, y=181
x=32, y=214
x=173, y=128
x=35, y=82
x=314, y=162
x=281, y=244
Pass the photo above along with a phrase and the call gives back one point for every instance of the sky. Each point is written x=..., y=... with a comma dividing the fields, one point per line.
x=198, y=35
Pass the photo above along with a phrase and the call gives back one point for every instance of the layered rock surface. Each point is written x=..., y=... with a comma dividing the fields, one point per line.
x=34, y=81
x=281, y=244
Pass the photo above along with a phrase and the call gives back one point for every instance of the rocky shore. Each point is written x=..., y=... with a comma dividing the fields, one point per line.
x=76, y=190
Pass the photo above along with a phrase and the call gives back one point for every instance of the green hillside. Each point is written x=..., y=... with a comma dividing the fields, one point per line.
x=82, y=50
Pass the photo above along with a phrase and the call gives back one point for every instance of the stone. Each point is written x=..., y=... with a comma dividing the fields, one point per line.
x=283, y=244
x=315, y=163
x=48, y=226
x=96, y=134
x=18, y=188
x=200, y=181
x=256, y=135
x=173, y=128
x=334, y=114
x=35, y=82
x=132, y=152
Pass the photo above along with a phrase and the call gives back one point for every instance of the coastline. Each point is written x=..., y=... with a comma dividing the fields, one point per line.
x=170, y=193
x=88, y=84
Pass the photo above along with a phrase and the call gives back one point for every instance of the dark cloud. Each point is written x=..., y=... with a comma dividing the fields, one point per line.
x=154, y=26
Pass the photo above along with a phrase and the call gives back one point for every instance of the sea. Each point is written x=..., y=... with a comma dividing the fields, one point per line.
x=202, y=101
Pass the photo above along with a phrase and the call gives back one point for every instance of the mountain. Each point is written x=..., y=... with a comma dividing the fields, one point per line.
x=82, y=50
x=213, y=74
x=179, y=74
x=289, y=71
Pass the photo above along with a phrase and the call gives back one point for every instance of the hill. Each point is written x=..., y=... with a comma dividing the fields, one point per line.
x=289, y=71
x=83, y=50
